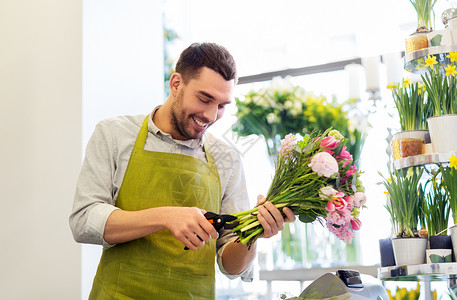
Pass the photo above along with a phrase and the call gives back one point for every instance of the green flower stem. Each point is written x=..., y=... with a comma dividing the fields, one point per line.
x=252, y=225
x=256, y=233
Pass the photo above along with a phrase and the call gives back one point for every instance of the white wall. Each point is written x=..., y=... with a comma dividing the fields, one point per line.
x=46, y=120
x=122, y=74
x=40, y=152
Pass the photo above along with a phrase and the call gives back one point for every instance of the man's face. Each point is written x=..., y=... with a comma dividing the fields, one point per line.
x=200, y=103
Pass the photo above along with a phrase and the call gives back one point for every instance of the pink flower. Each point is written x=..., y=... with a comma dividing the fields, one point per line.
x=287, y=144
x=338, y=200
x=356, y=224
x=339, y=217
x=349, y=202
x=345, y=154
x=359, y=199
x=324, y=164
x=343, y=232
x=352, y=170
x=330, y=206
x=329, y=142
x=344, y=157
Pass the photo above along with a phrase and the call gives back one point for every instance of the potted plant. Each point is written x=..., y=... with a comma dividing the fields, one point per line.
x=405, y=197
x=425, y=20
x=441, y=86
x=435, y=214
x=449, y=180
x=413, y=112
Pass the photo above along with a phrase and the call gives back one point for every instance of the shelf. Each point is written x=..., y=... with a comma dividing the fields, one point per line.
x=414, y=62
x=434, y=272
x=422, y=159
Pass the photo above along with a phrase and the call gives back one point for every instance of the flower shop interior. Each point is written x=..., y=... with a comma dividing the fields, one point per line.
x=303, y=66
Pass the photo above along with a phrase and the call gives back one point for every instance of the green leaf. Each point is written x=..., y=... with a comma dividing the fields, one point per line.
x=436, y=40
x=307, y=218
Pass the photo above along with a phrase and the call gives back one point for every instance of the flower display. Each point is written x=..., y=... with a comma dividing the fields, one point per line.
x=411, y=103
x=440, y=83
x=404, y=294
x=282, y=108
x=316, y=178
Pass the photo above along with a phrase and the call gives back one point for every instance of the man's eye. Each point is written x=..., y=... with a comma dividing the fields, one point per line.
x=203, y=100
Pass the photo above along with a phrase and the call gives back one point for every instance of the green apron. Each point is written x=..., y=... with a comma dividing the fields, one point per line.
x=157, y=266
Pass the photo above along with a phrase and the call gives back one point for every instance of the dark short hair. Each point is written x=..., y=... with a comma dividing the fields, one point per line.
x=210, y=55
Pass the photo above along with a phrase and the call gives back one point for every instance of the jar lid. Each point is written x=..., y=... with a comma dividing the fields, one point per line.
x=448, y=14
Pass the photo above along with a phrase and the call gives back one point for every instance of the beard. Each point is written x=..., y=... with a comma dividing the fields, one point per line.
x=182, y=122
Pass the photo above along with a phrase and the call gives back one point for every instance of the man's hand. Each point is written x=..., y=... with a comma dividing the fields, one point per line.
x=190, y=227
x=187, y=224
x=271, y=218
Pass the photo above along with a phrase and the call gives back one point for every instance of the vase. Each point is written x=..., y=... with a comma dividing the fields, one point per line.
x=442, y=133
x=386, y=252
x=408, y=143
x=409, y=251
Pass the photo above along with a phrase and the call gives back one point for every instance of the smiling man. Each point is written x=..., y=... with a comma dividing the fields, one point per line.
x=147, y=181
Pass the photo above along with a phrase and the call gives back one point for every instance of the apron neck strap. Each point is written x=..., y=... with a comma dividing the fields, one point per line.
x=143, y=134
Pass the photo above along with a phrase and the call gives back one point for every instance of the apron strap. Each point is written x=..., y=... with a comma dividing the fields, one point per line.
x=143, y=134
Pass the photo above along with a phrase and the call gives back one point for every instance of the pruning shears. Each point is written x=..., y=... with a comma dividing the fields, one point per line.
x=218, y=221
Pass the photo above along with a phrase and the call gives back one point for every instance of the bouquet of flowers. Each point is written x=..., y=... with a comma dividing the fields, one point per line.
x=316, y=178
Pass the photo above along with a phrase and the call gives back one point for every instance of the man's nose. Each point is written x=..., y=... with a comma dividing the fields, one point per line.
x=211, y=113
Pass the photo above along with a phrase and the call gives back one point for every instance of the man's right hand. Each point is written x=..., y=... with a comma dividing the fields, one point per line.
x=187, y=224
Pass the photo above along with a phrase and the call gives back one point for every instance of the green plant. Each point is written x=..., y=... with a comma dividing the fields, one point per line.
x=436, y=208
x=441, y=85
x=424, y=10
x=449, y=179
x=284, y=108
x=405, y=198
x=411, y=105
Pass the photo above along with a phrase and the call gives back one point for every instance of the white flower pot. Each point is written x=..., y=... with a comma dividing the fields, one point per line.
x=409, y=251
x=443, y=133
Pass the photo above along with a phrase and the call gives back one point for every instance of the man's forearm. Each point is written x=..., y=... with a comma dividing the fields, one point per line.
x=123, y=226
x=236, y=257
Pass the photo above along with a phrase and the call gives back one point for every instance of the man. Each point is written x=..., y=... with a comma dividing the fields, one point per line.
x=147, y=181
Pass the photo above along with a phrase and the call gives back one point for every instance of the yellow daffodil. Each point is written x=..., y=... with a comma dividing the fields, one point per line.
x=453, y=161
x=406, y=82
x=391, y=86
x=421, y=87
x=409, y=173
x=450, y=70
x=430, y=61
x=452, y=56
x=390, y=294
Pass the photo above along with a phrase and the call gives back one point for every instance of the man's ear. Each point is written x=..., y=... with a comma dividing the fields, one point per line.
x=175, y=82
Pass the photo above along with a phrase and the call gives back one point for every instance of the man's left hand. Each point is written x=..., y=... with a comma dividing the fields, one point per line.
x=271, y=218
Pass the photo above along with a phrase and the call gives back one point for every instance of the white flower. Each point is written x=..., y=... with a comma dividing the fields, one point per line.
x=327, y=192
x=282, y=84
x=272, y=118
x=324, y=164
x=288, y=104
